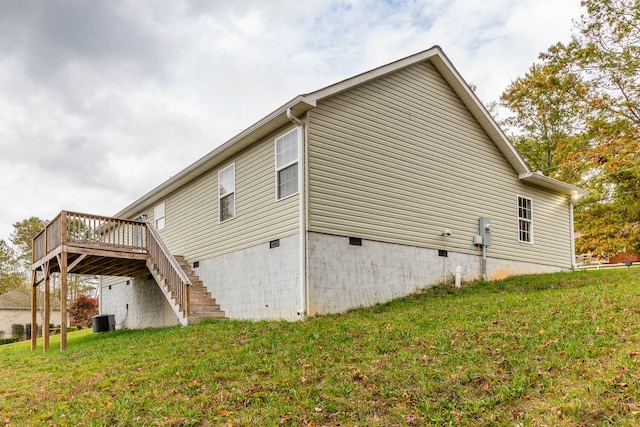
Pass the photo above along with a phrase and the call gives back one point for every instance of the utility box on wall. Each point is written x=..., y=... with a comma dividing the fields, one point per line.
x=484, y=229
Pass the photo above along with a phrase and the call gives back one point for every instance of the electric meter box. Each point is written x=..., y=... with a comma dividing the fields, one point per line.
x=485, y=230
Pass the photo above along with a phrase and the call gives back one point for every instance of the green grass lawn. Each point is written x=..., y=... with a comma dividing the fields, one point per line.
x=560, y=349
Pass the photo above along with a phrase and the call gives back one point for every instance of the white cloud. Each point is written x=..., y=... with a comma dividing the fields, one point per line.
x=102, y=101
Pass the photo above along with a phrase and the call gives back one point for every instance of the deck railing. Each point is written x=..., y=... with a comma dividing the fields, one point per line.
x=77, y=229
x=89, y=230
x=177, y=281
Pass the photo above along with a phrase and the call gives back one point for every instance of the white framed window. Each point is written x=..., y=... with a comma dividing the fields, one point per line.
x=158, y=216
x=525, y=219
x=287, y=164
x=227, y=193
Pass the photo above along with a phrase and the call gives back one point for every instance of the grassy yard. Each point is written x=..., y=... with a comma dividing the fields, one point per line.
x=561, y=349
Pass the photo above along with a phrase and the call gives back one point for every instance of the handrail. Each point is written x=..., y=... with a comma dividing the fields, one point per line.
x=177, y=280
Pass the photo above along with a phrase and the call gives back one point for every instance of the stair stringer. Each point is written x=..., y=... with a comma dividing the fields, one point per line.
x=175, y=306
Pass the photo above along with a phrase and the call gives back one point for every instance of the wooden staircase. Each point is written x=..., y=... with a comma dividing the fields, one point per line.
x=201, y=304
x=77, y=243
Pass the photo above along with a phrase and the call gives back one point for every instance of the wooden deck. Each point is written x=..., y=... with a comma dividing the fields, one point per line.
x=75, y=243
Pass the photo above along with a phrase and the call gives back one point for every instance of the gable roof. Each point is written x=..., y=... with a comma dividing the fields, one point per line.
x=303, y=103
x=21, y=300
x=15, y=300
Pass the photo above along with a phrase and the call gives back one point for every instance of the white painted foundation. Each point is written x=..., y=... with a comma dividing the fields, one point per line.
x=342, y=276
x=264, y=283
x=137, y=303
x=256, y=283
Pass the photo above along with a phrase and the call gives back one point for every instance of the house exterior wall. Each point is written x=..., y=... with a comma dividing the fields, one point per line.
x=136, y=303
x=400, y=158
x=258, y=282
x=10, y=317
x=247, y=282
x=192, y=228
x=342, y=276
x=393, y=161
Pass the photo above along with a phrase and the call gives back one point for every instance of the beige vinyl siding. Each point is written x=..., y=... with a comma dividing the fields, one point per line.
x=400, y=158
x=192, y=228
x=111, y=280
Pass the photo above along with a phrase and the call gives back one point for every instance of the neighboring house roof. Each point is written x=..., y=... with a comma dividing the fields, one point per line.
x=303, y=103
x=20, y=300
x=15, y=300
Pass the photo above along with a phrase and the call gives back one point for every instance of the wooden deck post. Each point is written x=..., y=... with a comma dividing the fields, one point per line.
x=47, y=307
x=34, y=307
x=63, y=281
x=63, y=300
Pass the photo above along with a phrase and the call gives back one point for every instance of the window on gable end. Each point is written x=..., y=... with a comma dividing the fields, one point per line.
x=158, y=216
x=525, y=219
x=227, y=193
x=287, y=164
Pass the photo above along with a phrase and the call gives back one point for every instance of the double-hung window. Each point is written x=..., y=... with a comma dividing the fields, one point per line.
x=227, y=193
x=287, y=164
x=158, y=216
x=525, y=219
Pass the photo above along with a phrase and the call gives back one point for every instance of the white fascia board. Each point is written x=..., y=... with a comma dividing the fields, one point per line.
x=299, y=105
x=552, y=184
x=376, y=73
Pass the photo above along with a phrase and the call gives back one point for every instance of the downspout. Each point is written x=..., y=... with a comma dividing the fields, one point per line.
x=573, y=236
x=302, y=226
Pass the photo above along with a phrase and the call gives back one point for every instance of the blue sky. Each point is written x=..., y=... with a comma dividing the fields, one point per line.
x=102, y=101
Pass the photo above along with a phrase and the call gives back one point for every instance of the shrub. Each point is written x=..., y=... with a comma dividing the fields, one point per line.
x=82, y=309
x=17, y=330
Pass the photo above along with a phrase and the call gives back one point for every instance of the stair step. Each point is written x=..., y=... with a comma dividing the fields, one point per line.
x=201, y=303
x=204, y=304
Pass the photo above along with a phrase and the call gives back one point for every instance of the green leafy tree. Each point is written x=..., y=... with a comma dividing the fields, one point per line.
x=22, y=238
x=10, y=275
x=546, y=124
x=577, y=118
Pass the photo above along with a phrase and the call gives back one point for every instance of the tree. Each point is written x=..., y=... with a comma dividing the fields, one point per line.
x=577, y=118
x=10, y=275
x=82, y=309
x=22, y=239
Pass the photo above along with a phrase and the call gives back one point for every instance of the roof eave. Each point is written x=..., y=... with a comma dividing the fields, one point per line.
x=540, y=180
